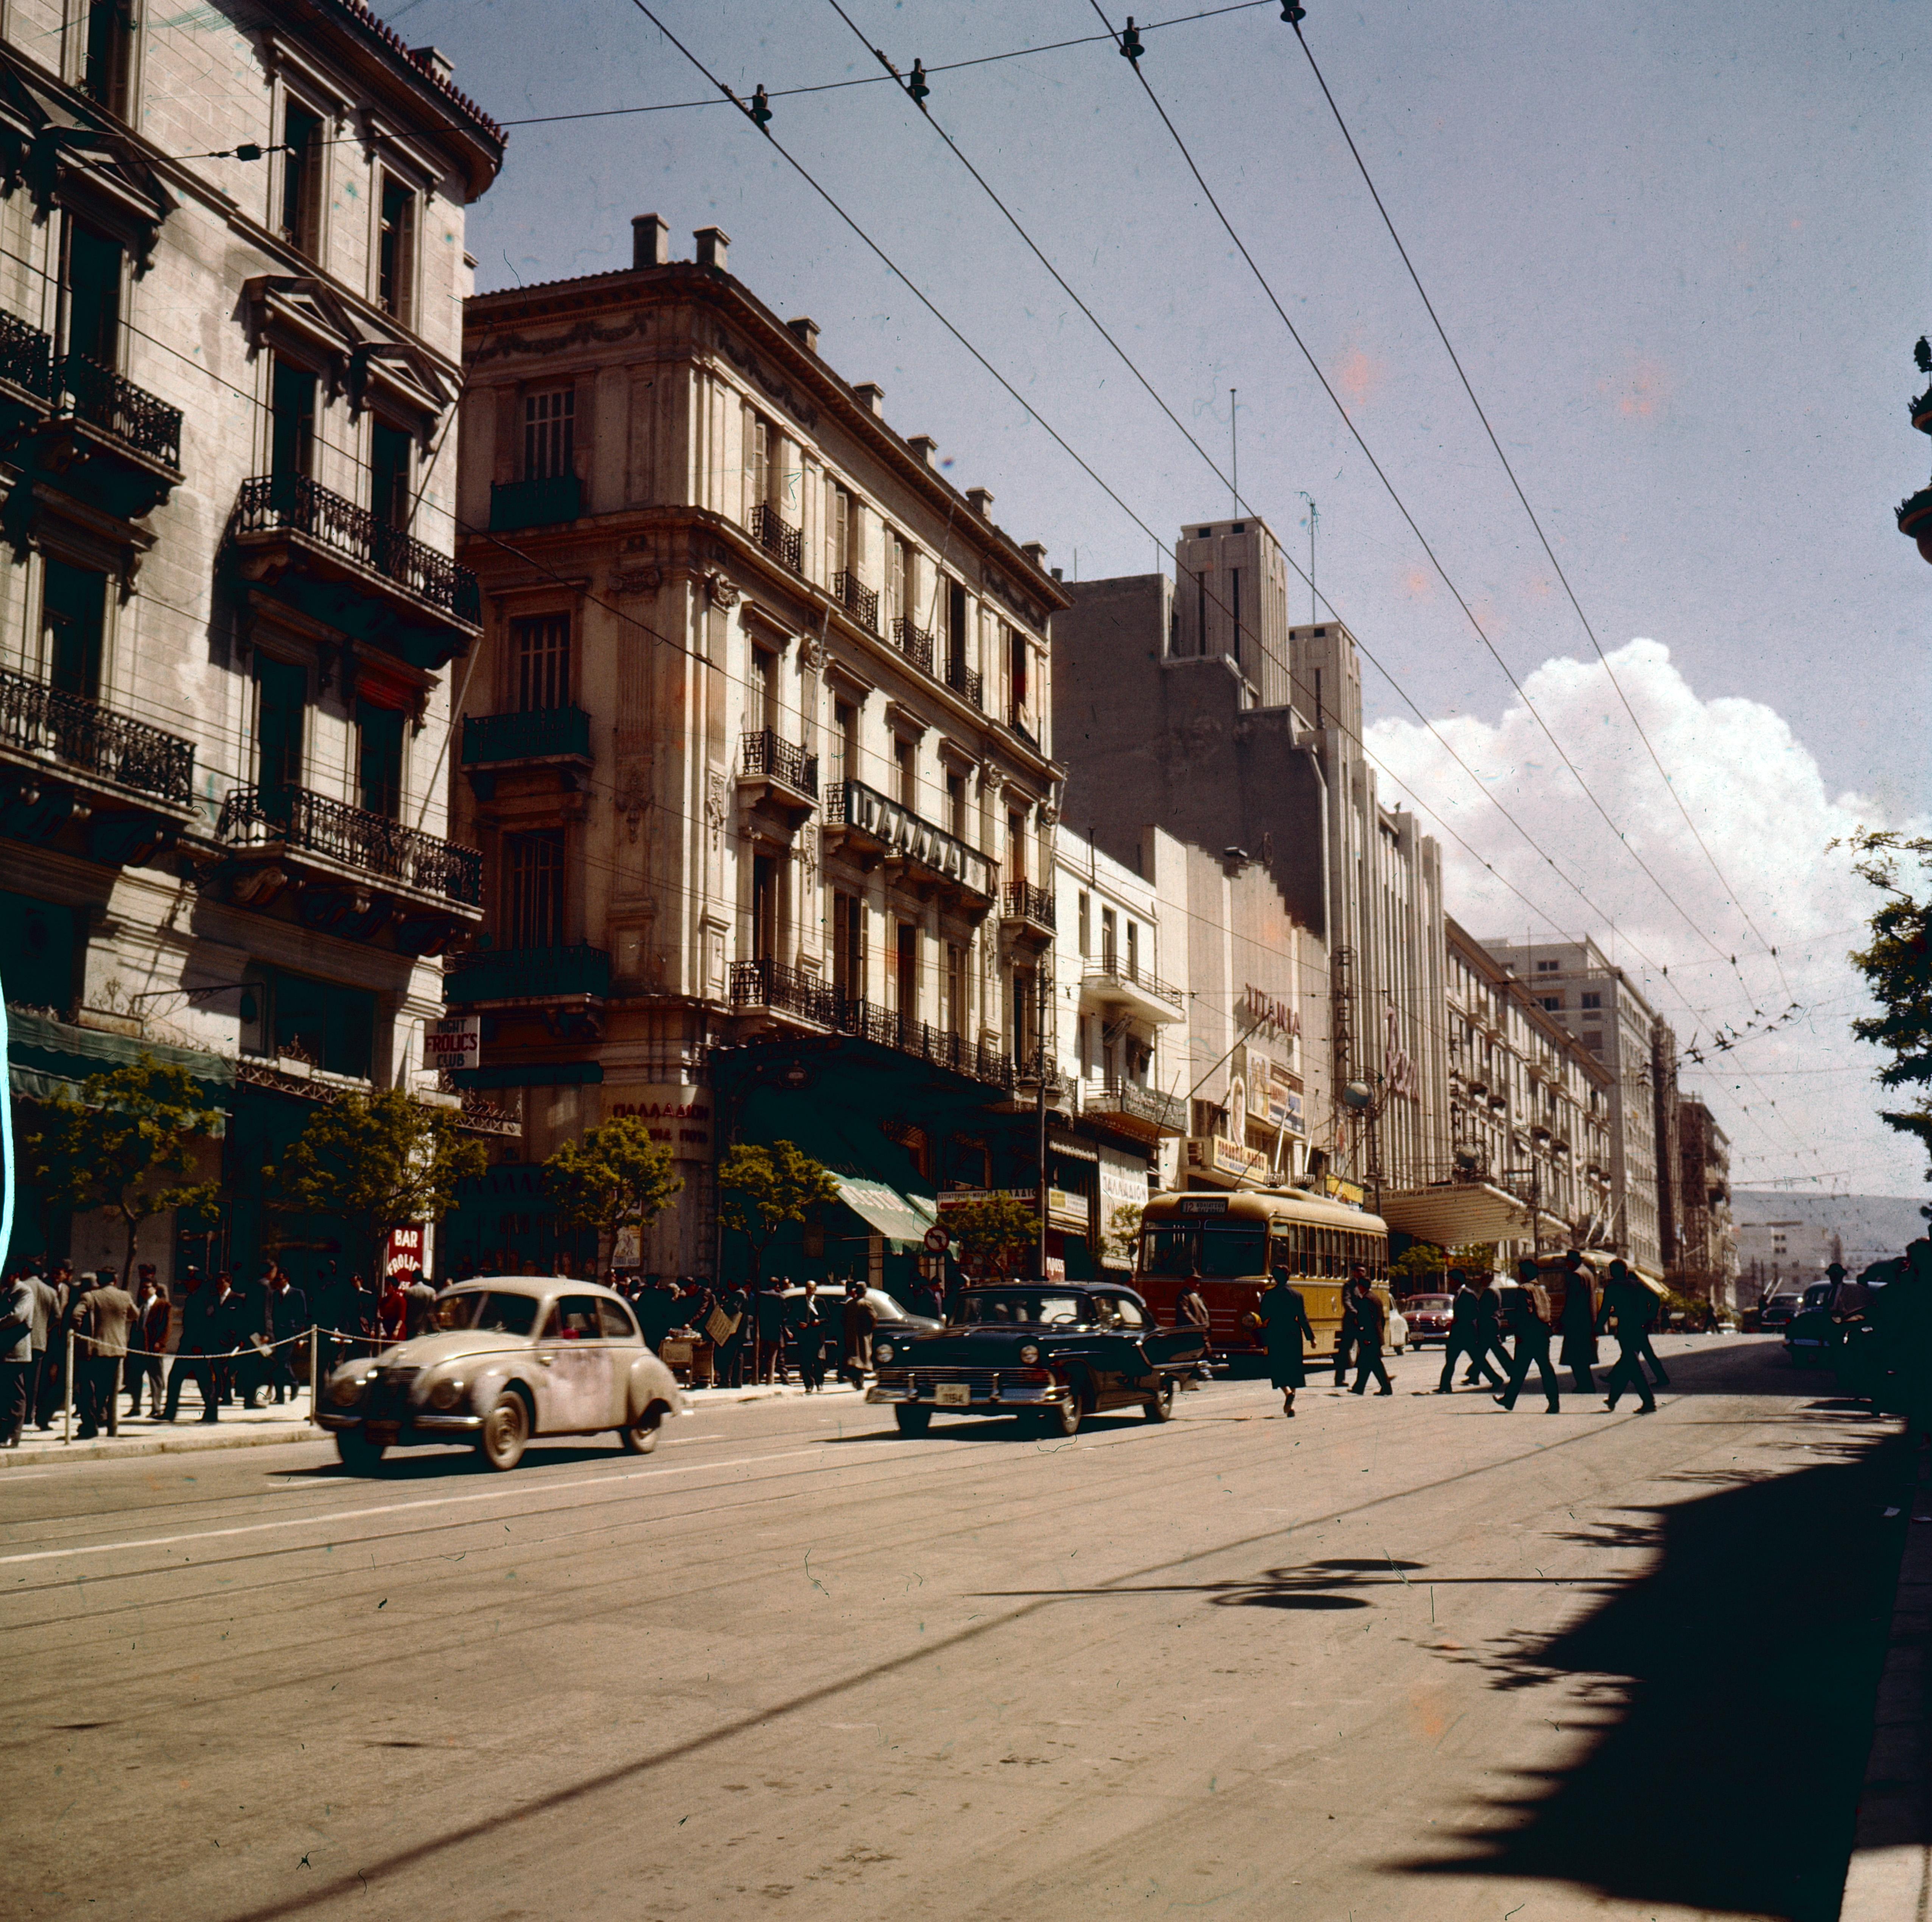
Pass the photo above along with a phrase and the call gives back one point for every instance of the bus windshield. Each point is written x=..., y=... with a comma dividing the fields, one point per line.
x=1216, y=1250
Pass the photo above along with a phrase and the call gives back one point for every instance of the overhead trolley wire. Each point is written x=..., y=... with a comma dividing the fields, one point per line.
x=1455, y=361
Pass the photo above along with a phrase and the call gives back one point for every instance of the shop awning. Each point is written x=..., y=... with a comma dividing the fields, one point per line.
x=1464, y=1212
x=897, y=1217
x=48, y=1059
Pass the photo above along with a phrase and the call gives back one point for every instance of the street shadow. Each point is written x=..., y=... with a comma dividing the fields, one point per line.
x=434, y=1464
x=1731, y=1695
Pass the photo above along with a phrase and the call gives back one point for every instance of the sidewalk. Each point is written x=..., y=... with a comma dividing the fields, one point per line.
x=1890, y=1876
x=254, y=1427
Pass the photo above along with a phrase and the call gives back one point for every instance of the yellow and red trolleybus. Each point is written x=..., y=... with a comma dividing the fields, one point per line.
x=1228, y=1246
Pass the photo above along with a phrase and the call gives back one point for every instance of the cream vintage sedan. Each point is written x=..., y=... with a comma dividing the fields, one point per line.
x=505, y=1358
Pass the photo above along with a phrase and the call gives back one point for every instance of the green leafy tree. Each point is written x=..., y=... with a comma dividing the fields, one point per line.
x=127, y=1146
x=760, y=1189
x=376, y=1161
x=616, y=1177
x=1419, y=1268
x=1474, y=1258
x=991, y=1230
x=1897, y=964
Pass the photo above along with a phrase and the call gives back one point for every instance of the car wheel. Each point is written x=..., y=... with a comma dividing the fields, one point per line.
x=1062, y=1420
x=641, y=1436
x=912, y=1420
x=360, y=1456
x=1159, y=1405
x=506, y=1431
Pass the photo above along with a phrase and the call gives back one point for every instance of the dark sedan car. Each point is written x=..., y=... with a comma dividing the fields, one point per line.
x=1052, y=1353
x=1777, y=1311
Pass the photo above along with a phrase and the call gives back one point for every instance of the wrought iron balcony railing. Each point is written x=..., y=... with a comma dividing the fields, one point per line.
x=528, y=974
x=83, y=734
x=290, y=503
x=766, y=754
x=963, y=679
x=1023, y=902
x=26, y=357
x=133, y=417
x=790, y=991
x=914, y=641
x=1108, y=972
x=547, y=503
x=776, y=535
x=861, y=602
x=541, y=734
x=1134, y=1102
x=372, y=844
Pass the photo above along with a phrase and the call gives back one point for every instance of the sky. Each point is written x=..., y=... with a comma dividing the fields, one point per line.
x=1681, y=254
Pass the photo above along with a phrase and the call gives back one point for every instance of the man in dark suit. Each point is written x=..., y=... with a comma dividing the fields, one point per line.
x=1466, y=1335
x=1346, y=1337
x=1370, y=1319
x=288, y=1322
x=1628, y=1303
x=203, y=1337
x=1531, y=1336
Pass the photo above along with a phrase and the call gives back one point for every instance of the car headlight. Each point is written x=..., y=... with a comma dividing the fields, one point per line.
x=1029, y=1352
x=446, y=1393
x=883, y=1352
x=345, y=1391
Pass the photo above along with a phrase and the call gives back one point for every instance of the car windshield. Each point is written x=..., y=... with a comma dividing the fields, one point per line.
x=1426, y=1303
x=1817, y=1296
x=453, y=1311
x=1031, y=1309
x=506, y=1314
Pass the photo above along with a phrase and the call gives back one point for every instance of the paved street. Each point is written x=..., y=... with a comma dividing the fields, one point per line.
x=1396, y=1658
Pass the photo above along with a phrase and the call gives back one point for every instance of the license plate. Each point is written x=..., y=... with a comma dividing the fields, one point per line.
x=952, y=1395
x=383, y=1433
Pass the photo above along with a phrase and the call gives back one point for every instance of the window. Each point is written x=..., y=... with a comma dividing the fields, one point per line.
x=532, y=901
x=1133, y=950
x=848, y=947
x=1016, y=674
x=1548, y=967
x=845, y=744
x=1023, y=1023
x=905, y=970
x=764, y=908
x=93, y=296
x=954, y=1014
x=108, y=64
x=281, y=713
x=616, y=1318
x=1553, y=1004
x=323, y=1022
x=1592, y=1001
x=842, y=548
x=1200, y=615
x=396, y=251
x=550, y=435
x=575, y=1318
x=390, y=484
x=541, y=648
x=1109, y=942
x=905, y=763
x=956, y=633
x=1016, y=862
x=955, y=806
x=36, y=952
x=762, y=707
x=760, y=463
x=1086, y=918
x=73, y=618
x=291, y=421
x=301, y=177
x=1235, y=608
x=378, y=759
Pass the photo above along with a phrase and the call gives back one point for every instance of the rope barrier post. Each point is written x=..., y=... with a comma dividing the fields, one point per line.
x=114, y=1397
x=314, y=1374
x=67, y=1393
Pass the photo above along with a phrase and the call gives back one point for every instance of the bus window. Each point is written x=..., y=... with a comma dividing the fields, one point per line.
x=1169, y=1251
x=1230, y=1250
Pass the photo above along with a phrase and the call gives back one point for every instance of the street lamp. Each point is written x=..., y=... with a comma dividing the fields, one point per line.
x=1367, y=1102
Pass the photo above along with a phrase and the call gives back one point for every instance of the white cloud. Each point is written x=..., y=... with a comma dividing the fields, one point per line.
x=1761, y=806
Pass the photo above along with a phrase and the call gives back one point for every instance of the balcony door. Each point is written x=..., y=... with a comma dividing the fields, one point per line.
x=391, y=481
x=378, y=759
x=541, y=659
x=73, y=616
x=905, y=972
x=532, y=902
x=92, y=292
x=764, y=908
x=281, y=713
x=292, y=403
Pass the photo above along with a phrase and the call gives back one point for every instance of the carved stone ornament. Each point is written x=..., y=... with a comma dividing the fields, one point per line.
x=723, y=593
x=806, y=848
x=811, y=652
x=646, y=579
x=714, y=809
x=633, y=804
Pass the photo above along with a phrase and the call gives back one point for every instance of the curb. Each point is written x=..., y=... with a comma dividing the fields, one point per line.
x=1889, y=1877
x=49, y=1454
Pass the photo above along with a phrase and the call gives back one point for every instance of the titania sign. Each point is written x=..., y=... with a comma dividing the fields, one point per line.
x=905, y=833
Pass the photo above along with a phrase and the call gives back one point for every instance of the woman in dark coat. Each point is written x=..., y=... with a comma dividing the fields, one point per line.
x=1283, y=1316
x=1578, y=1326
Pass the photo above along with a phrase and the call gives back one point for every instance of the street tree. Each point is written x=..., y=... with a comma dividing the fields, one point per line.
x=614, y=1177
x=376, y=1161
x=1897, y=964
x=991, y=1230
x=127, y=1146
x=760, y=1189
x=1419, y=1266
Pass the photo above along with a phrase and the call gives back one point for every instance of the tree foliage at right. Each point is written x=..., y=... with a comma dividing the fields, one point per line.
x=1897, y=964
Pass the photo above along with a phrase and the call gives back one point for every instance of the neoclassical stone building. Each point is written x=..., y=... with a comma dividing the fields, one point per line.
x=756, y=747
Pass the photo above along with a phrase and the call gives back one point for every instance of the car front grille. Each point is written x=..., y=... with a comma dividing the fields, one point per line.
x=982, y=1381
x=388, y=1399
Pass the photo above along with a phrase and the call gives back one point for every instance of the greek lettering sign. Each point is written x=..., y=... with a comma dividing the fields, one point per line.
x=679, y=1115
x=905, y=833
x=453, y=1041
x=1268, y=1013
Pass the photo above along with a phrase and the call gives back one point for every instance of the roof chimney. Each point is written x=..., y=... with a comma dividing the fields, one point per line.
x=871, y=397
x=711, y=242
x=807, y=331
x=438, y=62
x=650, y=241
x=924, y=446
x=980, y=499
x=1036, y=552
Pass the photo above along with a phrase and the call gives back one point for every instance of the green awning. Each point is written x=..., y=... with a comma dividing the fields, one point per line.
x=48, y=1060
x=897, y=1217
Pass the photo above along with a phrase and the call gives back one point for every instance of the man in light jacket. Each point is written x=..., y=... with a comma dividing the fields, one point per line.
x=18, y=1300
x=104, y=1318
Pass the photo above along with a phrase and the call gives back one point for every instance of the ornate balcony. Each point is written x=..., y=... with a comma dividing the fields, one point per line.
x=786, y=994
x=861, y=603
x=777, y=536
x=26, y=375
x=1146, y=1112
x=963, y=679
x=354, y=872
x=555, y=740
x=914, y=641
x=95, y=437
x=776, y=770
x=1026, y=912
x=877, y=829
x=103, y=400
x=344, y=566
x=64, y=757
x=1106, y=980
x=510, y=976
x=515, y=505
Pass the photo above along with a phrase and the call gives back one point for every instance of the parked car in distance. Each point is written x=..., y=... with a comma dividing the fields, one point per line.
x=506, y=1358
x=1051, y=1353
x=1777, y=1310
x=887, y=1313
x=1428, y=1316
